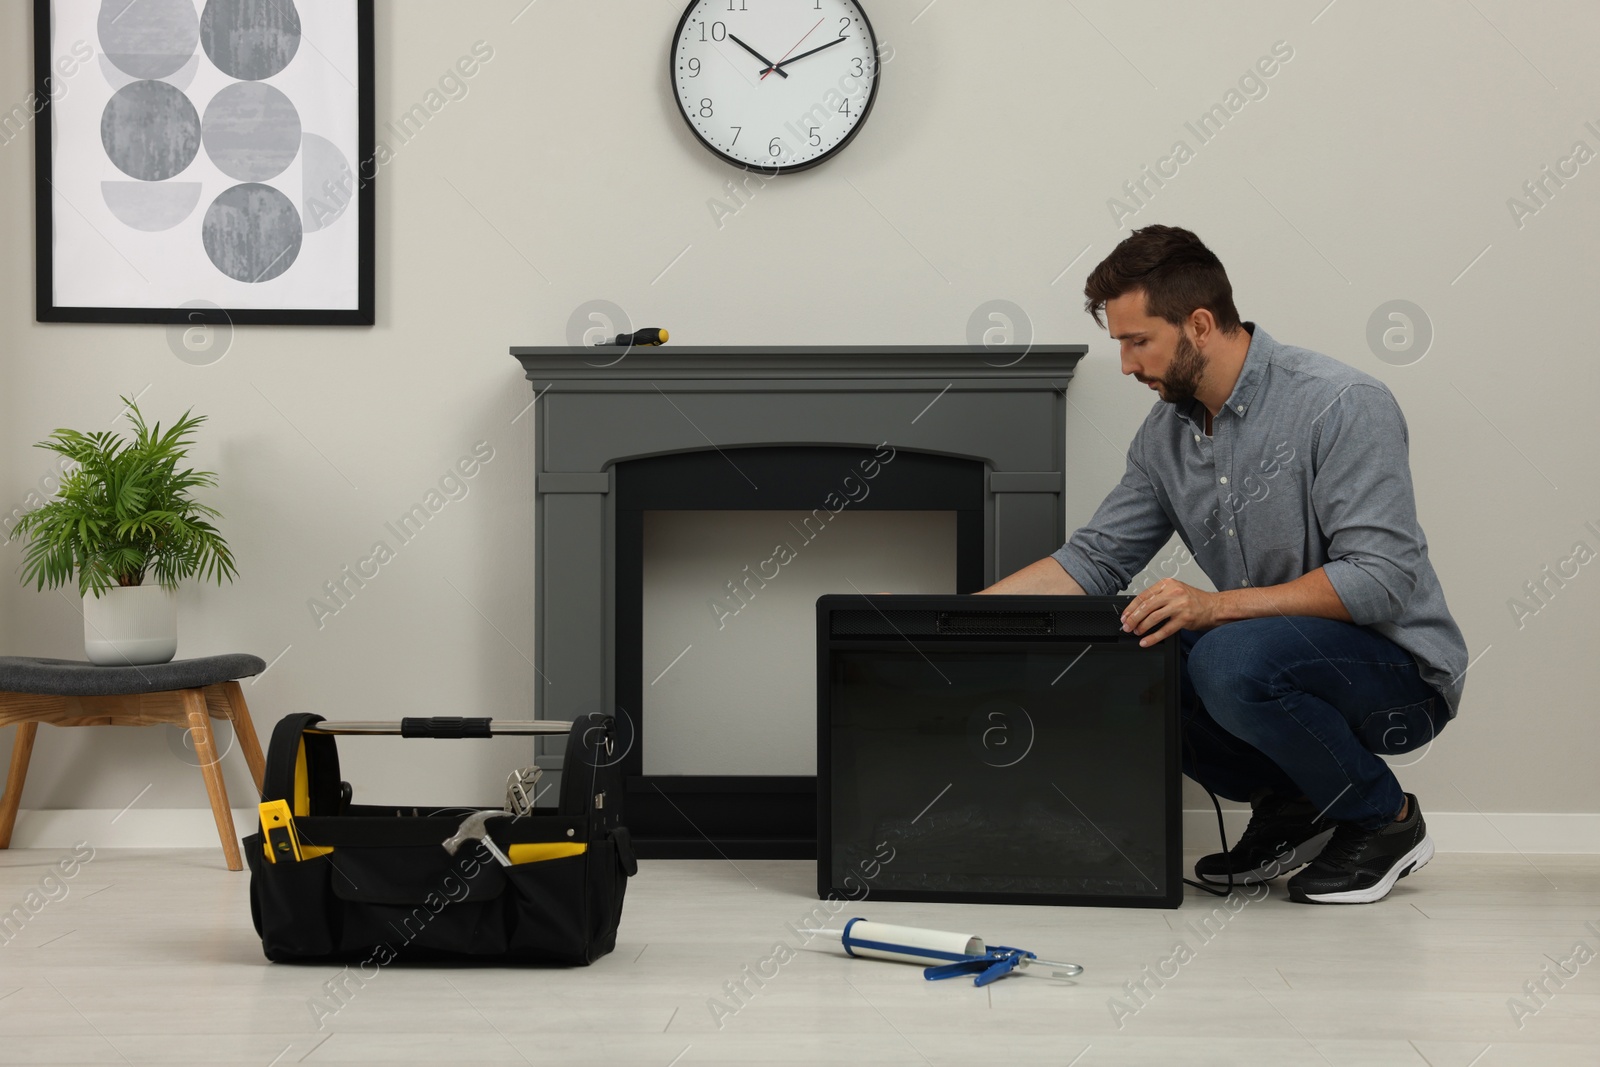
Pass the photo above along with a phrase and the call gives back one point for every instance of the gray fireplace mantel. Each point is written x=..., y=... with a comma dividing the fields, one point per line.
x=1001, y=411
x=596, y=407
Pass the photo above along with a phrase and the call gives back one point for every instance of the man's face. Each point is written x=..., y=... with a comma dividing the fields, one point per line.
x=1157, y=353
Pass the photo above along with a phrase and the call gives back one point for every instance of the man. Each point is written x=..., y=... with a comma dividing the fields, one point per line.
x=1286, y=475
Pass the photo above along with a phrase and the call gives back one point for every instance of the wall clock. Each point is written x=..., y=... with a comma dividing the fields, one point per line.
x=779, y=85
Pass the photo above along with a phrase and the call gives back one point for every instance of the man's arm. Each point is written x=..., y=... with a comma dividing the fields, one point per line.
x=1365, y=504
x=1310, y=594
x=1363, y=500
x=1171, y=605
x=1044, y=577
x=1126, y=530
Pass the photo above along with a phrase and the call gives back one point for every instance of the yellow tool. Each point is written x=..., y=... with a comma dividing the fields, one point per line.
x=541, y=851
x=282, y=840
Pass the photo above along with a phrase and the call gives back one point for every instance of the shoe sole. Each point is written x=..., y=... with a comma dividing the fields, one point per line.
x=1410, y=863
x=1299, y=856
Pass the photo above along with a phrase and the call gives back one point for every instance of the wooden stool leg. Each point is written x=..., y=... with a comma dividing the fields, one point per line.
x=21, y=750
x=205, y=747
x=245, y=730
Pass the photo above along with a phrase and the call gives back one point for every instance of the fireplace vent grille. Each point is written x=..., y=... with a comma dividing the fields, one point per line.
x=1086, y=625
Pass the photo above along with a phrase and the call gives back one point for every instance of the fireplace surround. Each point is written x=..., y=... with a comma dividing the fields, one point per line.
x=618, y=433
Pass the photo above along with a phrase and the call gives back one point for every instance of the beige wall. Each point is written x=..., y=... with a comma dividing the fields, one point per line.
x=1376, y=167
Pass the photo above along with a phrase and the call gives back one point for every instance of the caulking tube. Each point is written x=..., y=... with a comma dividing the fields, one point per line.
x=908, y=944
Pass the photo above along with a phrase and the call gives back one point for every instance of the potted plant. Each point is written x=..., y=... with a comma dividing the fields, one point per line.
x=125, y=515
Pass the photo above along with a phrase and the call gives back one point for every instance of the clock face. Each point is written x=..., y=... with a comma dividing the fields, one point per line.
x=778, y=85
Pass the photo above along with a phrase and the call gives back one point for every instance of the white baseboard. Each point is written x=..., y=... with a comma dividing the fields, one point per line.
x=133, y=828
x=1452, y=831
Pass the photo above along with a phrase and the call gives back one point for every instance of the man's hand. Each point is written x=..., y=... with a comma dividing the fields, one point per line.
x=1167, y=607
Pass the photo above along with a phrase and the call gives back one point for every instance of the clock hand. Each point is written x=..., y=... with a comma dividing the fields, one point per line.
x=814, y=51
x=758, y=55
x=797, y=44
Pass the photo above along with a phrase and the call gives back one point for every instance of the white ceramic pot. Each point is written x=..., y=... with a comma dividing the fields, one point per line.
x=130, y=625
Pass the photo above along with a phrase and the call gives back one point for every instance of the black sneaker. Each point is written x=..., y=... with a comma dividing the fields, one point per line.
x=1360, y=866
x=1283, y=834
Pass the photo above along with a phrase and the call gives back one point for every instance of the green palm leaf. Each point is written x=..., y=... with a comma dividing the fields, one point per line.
x=125, y=512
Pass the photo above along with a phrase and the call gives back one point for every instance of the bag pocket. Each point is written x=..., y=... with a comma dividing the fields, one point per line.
x=607, y=881
x=438, y=928
x=291, y=904
x=546, y=910
x=418, y=902
x=611, y=864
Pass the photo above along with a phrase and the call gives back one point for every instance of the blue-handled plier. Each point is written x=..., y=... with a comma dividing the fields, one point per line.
x=996, y=963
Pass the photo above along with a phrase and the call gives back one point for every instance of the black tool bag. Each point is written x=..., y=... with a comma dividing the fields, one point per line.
x=335, y=881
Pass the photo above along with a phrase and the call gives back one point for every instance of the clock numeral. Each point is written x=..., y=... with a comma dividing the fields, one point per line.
x=775, y=148
x=719, y=31
x=736, y=131
x=741, y=6
x=816, y=138
x=694, y=67
x=844, y=28
x=706, y=110
x=844, y=108
x=859, y=67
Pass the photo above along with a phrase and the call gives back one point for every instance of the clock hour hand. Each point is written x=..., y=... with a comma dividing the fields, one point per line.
x=758, y=55
x=802, y=55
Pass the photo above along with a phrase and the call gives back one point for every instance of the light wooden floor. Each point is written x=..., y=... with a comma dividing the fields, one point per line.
x=150, y=958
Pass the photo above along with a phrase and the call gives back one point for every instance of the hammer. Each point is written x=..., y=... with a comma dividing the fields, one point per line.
x=475, y=828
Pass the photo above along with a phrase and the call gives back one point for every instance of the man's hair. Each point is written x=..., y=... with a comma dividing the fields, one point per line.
x=1177, y=272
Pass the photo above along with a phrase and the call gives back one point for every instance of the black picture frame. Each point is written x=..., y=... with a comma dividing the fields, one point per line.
x=47, y=310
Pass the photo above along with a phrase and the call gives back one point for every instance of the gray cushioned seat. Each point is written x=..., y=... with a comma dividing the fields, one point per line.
x=79, y=678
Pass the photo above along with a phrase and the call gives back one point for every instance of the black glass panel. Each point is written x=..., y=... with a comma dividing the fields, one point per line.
x=1038, y=771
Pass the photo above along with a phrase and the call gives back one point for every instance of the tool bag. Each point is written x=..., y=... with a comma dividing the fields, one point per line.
x=331, y=880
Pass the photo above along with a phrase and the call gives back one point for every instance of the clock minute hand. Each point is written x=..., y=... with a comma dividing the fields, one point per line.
x=790, y=52
x=814, y=51
x=758, y=55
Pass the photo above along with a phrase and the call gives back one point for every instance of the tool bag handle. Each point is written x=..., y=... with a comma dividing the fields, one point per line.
x=303, y=761
x=303, y=767
x=591, y=778
x=446, y=726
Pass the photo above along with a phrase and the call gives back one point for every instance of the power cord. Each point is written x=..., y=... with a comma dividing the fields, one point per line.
x=1221, y=832
x=1213, y=890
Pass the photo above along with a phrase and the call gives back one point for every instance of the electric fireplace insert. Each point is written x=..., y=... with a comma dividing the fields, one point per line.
x=995, y=749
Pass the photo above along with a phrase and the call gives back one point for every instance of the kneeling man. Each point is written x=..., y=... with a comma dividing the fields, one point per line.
x=1286, y=475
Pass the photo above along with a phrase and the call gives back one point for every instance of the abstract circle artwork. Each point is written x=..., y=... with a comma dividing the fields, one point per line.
x=252, y=131
x=250, y=39
x=210, y=151
x=150, y=130
x=148, y=38
x=252, y=232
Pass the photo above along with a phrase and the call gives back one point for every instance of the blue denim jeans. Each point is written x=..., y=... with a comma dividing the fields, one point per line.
x=1296, y=705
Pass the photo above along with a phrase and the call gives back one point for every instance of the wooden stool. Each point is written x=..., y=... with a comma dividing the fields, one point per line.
x=186, y=692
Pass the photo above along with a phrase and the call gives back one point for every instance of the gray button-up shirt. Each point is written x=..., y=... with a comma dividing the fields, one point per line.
x=1307, y=467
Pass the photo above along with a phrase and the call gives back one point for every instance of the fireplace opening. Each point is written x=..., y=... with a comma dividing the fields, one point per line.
x=730, y=623
x=719, y=558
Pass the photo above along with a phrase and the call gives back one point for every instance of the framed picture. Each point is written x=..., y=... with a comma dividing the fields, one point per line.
x=204, y=161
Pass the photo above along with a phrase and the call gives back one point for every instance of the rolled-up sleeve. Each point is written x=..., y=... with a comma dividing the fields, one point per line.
x=1365, y=504
x=1128, y=528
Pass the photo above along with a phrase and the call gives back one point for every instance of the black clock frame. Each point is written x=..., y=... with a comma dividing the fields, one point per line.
x=866, y=112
